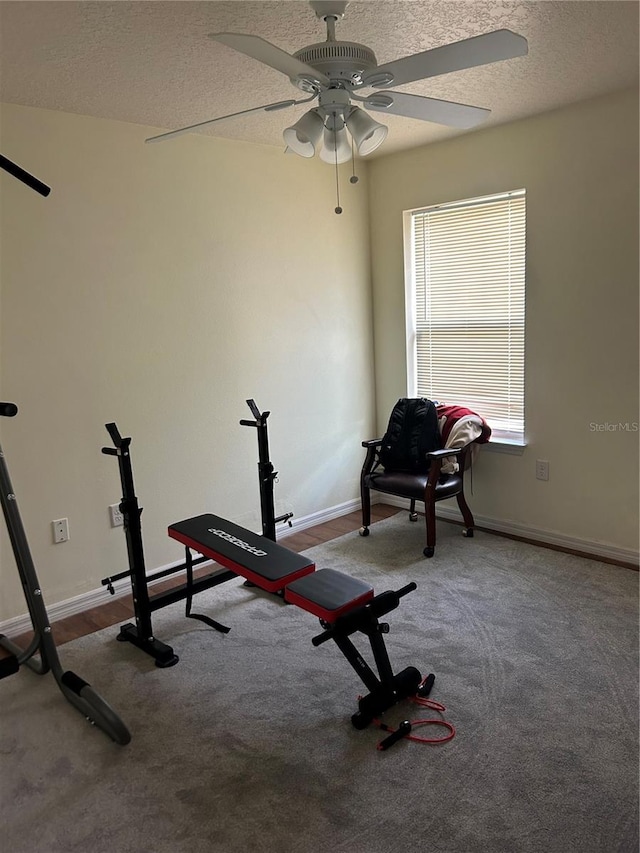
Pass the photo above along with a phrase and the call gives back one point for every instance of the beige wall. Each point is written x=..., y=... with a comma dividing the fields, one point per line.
x=579, y=166
x=160, y=287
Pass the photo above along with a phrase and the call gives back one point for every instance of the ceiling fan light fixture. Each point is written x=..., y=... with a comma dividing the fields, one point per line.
x=336, y=147
x=303, y=137
x=367, y=133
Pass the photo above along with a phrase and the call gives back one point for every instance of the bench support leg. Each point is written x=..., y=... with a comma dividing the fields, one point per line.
x=162, y=653
x=362, y=668
x=385, y=689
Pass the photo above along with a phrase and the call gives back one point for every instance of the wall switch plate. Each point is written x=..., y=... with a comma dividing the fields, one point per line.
x=542, y=469
x=117, y=519
x=60, y=529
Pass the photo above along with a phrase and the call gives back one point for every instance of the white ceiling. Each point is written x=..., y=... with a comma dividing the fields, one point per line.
x=151, y=62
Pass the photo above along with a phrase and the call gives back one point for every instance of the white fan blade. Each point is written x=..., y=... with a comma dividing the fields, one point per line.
x=468, y=53
x=269, y=54
x=279, y=105
x=427, y=109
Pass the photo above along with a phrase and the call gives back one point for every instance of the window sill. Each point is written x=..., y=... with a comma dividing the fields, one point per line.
x=505, y=445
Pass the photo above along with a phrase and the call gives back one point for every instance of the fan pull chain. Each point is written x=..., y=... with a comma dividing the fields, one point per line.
x=335, y=156
x=354, y=178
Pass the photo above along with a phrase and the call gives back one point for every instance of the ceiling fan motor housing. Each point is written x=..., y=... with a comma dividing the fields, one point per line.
x=344, y=61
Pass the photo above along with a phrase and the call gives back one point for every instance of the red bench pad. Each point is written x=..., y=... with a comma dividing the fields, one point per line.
x=256, y=558
x=328, y=593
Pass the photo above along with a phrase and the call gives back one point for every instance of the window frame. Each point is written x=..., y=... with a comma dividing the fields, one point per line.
x=509, y=440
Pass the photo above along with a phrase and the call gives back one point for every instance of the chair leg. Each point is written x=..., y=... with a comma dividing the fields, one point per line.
x=413, y=515
x=430, y=519
x=466, y=515
x=365, y=499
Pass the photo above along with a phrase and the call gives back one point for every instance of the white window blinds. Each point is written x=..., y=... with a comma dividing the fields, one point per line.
x=466, y=307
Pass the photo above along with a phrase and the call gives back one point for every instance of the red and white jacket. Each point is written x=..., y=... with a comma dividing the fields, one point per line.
x=460, y=426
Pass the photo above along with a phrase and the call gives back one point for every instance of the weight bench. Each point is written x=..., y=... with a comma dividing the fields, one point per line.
x=344, y=605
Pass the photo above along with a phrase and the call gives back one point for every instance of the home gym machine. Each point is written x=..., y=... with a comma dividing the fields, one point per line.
x=80, y=694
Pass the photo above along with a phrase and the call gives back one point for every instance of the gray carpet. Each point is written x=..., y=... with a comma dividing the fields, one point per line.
x=247, y=745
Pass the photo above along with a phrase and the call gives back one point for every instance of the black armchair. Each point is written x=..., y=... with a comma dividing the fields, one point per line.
x=429, y=487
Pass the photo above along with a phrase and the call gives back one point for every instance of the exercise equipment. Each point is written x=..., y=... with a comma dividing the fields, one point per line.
x=145, y=603
x=266, y=473
x=344, y=605
x=402, y=731
x=25, y=177
x=141, y=633
x=77, y=691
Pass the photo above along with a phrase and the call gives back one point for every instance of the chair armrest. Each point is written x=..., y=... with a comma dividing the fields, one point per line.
x=374, y=442
x=371, y=460
x=447, y=451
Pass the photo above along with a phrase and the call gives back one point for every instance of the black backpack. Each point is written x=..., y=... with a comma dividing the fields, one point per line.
x=411, y=434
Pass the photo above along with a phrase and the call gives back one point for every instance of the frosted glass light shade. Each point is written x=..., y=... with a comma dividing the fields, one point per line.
x=367, y=133
x=304, y=136
x=335, y=141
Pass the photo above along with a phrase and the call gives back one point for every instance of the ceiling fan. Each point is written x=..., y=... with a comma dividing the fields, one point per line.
x=333, y=73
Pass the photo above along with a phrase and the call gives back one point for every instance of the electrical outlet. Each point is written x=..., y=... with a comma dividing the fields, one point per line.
x=542, y=469
x=60, y=529
x=117, y=519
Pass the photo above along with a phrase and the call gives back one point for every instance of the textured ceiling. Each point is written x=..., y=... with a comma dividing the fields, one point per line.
x=151, y=63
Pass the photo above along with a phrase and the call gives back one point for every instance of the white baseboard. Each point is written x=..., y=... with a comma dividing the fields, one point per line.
x=549, y=538
x=95, y=597
x=78, y=604
x=298, y=524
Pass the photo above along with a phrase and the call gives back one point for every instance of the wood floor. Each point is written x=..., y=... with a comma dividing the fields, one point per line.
x=121, y=609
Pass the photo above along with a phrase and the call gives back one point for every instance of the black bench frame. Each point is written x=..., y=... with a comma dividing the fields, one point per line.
x=344, y=617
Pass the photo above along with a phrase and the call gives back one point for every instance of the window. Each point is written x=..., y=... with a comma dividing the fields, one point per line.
x=465, y=284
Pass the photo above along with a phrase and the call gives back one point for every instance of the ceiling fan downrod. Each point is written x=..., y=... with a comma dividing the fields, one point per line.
x=343, y=62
